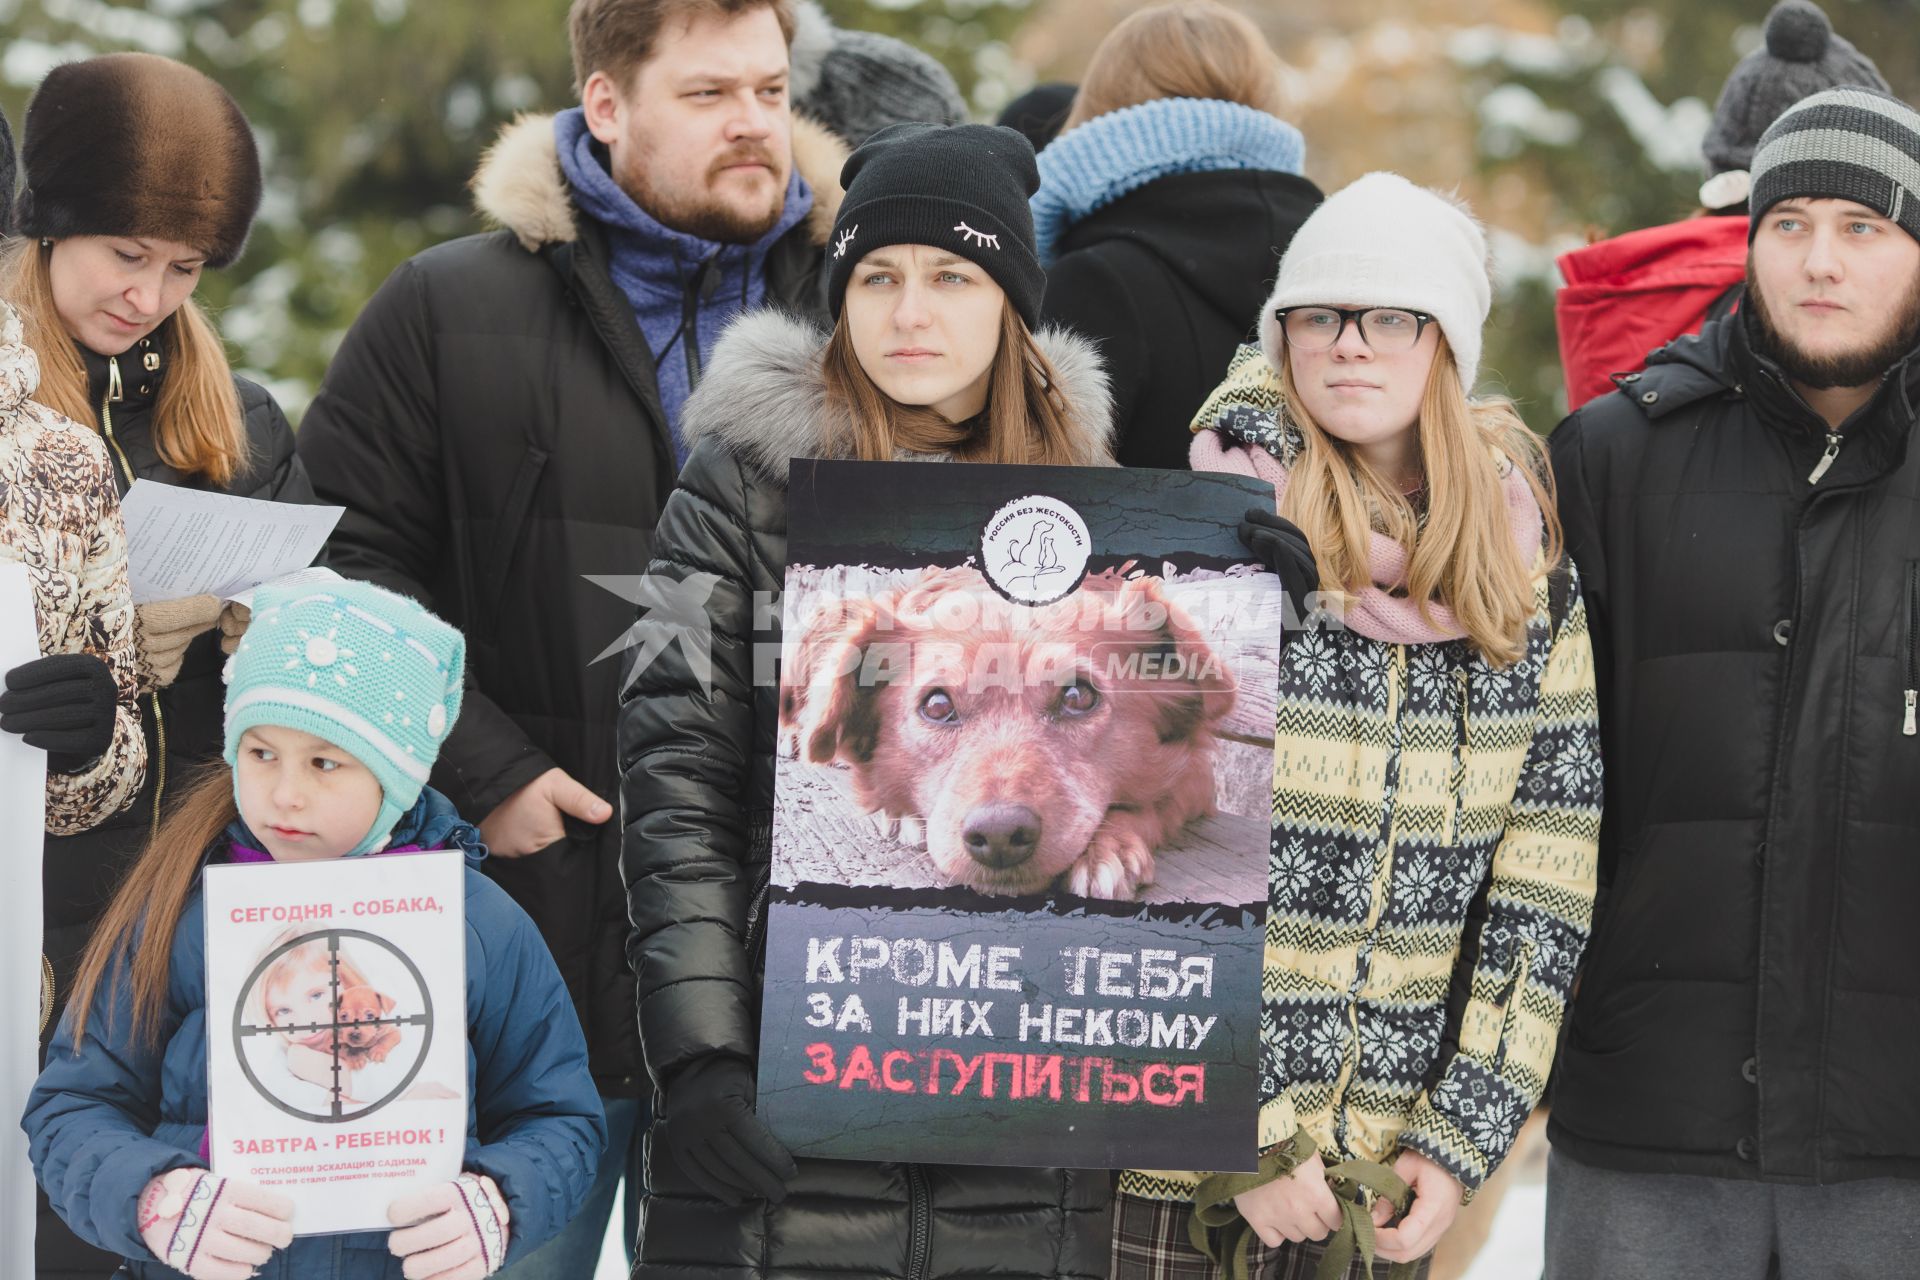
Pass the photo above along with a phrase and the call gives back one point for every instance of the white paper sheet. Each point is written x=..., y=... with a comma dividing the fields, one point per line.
x=318, y=575
x=337, y=1030
x=185, y=542
x=23, y=794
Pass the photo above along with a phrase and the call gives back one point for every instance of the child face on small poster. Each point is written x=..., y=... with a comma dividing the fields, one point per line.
x=342, y=1024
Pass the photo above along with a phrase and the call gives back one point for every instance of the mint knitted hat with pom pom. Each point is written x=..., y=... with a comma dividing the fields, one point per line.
x=366, y=669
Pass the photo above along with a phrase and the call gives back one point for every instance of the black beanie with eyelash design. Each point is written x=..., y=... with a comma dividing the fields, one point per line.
x=962, y=188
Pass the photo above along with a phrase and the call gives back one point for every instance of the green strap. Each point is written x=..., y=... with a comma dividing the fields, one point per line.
x=1213, y=1205
x=1354, y=1183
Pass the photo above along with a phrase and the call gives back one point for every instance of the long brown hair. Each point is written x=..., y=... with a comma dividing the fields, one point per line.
x=1028, y=418
x=1461, y=550
x=136, y=934
x=197, y=426
x=1189, y=49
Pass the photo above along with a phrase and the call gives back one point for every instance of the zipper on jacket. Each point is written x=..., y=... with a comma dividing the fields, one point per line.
x=1510, y=1016
x=1820, y=468
x=47, y=992
x=115, y=394
x=756, y=940
x=1911, y=695
x=1399, y=692
x=157, y=767
x=699, y=292
x=920, y=1226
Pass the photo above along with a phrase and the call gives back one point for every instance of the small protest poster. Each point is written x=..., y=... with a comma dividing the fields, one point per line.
x=1018, y=883
x=336, y=1030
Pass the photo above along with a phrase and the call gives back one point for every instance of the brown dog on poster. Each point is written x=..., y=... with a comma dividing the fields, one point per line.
x=362, y=1037
x=1060, y=744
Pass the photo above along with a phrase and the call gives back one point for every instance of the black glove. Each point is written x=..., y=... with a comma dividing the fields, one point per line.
x=719, y=1144
x=1279, y=544
x=64, y=705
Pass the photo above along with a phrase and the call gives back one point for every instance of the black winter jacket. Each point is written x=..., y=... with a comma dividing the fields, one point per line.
x=1169, y=279
x=81, y=872
x=1750, y=1004
x=492, y=426
x=697, y=804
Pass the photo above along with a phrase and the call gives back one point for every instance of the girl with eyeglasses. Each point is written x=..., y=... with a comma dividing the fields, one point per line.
x=1436, y=794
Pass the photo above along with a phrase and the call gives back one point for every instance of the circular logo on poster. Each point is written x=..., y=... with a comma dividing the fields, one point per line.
x=333, y=1025
x=1034, y=549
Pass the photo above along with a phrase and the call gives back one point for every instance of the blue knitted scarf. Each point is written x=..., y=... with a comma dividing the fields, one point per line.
x=1089, y=167
x=651, y=264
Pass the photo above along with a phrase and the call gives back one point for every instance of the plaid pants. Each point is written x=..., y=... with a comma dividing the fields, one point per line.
x=1150, y=1243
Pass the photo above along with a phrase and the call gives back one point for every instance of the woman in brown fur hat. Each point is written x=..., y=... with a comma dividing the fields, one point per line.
x=140, y=173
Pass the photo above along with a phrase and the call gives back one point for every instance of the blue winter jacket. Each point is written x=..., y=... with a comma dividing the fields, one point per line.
x=104, y=1120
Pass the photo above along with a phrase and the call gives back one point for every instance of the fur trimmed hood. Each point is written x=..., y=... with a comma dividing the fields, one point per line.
x=763, y=395
x=519, y=187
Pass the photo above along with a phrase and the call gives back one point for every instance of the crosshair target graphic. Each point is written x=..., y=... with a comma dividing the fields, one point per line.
x=317, y=1026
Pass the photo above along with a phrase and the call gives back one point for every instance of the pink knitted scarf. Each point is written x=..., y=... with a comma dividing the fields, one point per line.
x=1374, y=612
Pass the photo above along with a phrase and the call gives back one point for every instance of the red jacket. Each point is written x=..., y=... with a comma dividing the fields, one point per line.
x=1633, y=294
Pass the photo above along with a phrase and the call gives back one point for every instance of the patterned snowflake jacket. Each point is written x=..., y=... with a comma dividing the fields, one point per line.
x=60, y=517
x=1431, y=880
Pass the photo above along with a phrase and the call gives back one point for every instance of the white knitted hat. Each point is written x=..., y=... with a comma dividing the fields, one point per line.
x=1384, y=242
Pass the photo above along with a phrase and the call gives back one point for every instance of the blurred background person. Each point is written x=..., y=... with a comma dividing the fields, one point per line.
x=1040, y=113
x=1629, y=295
x=859, y=82
x=1163, y=209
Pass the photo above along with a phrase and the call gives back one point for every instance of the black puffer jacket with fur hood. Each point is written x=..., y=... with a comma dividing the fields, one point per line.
x=697, y=804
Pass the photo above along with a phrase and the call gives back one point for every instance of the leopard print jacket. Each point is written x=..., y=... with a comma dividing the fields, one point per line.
x=60, y=517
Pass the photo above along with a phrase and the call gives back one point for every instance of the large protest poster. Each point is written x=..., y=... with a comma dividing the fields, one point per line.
x=336, y=1030
x=29, y=983
x=1018, y=882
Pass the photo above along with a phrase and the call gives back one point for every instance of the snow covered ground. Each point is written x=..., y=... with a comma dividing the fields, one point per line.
x=1515, y=1250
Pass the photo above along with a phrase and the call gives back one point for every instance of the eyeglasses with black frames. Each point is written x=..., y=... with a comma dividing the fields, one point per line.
x=1388, y=330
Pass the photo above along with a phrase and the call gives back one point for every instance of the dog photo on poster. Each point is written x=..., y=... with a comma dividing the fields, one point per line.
x=1018, y=884
x=336, y=1031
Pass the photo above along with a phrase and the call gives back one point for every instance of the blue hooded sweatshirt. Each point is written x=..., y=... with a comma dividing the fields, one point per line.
x=105, y=1119
x=668, y=276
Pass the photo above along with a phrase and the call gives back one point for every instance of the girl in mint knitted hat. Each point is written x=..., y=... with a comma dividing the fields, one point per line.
x=338, y=699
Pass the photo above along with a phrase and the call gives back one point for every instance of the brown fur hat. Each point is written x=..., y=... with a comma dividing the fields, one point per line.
x=133, y=144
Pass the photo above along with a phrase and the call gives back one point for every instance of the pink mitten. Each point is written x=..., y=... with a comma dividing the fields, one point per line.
x=213, y=1228
x=451, y=1231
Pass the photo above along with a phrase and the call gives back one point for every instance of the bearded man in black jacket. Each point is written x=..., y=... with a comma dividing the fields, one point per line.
x=502, y=426
x=1735, y=1091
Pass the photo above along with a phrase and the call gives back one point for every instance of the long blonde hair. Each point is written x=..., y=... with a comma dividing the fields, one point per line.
x=135, y=936
x=197, y=425
x=1461, y=550
x=1188, y=49
x=1028, y=418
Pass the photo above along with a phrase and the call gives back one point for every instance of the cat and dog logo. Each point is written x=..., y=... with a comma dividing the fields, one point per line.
x=1034, y=550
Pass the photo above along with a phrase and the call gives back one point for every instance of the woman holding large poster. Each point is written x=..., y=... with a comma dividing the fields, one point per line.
x=934, y=289
x=1437, y=804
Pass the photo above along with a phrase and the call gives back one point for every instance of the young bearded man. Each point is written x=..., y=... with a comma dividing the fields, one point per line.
x=1736, y=1087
